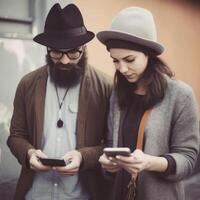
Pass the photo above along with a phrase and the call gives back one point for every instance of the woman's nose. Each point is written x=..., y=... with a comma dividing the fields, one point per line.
x=123, y=68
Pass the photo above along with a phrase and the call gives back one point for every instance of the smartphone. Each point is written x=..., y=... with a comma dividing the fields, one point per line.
x=114, y=151
x=53, y=162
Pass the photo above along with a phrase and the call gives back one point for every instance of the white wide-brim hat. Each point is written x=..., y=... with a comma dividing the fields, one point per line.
x=135, y=25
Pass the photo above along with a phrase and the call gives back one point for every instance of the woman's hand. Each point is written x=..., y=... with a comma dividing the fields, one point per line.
x=139, y=161
x=108, y=164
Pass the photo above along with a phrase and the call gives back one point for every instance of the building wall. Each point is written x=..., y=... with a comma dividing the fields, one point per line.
x=178, y=29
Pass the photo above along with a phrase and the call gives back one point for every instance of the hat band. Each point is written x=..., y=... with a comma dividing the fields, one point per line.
x=72, y=32
x=117, y=43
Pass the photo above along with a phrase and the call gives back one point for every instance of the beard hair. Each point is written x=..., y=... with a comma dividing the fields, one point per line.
x=66, y=78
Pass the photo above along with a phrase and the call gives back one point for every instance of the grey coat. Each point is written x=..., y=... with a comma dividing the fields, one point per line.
x=172, y=128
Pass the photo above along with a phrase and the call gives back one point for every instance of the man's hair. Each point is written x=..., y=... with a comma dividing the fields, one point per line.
x=152, y=77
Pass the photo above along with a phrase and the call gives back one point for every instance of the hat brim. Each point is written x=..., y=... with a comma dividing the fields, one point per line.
x=54, y=41
x=104, y=36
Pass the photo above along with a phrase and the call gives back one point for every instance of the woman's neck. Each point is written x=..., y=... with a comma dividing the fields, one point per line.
x=141, y=90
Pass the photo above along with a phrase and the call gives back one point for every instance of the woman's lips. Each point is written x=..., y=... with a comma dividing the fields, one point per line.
x=130, y=76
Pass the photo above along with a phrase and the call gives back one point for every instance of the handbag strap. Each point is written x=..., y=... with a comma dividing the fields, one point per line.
x=141, y=129
x=131, y=194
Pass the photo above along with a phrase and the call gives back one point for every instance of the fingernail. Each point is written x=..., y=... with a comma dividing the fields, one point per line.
x=118, y=157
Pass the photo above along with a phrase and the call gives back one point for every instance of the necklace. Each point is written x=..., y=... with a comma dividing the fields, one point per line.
x=60, y=121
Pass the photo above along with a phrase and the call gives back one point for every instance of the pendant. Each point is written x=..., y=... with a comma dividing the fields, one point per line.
x=60, y=123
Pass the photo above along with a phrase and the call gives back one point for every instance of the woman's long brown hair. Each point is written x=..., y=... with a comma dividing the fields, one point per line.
x=154, y=80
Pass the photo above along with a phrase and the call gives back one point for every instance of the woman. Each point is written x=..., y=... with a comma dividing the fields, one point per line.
x=144, y=82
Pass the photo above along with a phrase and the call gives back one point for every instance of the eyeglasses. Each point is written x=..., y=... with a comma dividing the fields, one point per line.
x=72, y=54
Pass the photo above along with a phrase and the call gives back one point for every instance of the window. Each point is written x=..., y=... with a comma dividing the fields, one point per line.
x=17, y=18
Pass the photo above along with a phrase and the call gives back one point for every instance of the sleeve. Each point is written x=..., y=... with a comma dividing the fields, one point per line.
x=184, y=145
x=171, y=167
x=18, y=138
x=91, y=154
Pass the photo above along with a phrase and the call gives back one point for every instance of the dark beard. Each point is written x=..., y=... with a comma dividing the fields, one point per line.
x=66, y=78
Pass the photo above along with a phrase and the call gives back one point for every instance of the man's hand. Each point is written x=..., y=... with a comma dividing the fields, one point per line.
x=35, y=164
x=108, y=164
x=74, y=158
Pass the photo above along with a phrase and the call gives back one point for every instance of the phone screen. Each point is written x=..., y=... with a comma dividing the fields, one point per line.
x=52, y=162
x=114, y=151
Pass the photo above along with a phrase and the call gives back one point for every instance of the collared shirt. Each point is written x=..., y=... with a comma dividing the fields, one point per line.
x=56, y=142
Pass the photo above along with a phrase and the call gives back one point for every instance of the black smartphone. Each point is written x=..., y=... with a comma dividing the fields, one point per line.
x=114, y=151
x=53, y=162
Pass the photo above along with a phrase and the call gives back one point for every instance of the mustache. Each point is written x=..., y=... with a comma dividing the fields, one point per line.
x=66, y=67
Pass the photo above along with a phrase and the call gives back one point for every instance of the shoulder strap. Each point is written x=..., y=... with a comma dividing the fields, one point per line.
x=141, y=129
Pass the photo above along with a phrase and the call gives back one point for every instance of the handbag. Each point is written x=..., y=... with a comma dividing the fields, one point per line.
x=131, y=195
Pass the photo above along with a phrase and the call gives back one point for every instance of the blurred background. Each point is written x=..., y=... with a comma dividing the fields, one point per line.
x=178, y=29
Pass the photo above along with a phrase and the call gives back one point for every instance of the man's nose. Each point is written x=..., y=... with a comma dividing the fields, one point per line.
x=65, y=59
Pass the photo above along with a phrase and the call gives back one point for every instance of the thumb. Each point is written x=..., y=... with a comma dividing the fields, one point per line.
x=137, y=153
x=40, y=154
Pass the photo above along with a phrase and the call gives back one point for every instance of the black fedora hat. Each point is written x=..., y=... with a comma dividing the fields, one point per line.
x=64, y=28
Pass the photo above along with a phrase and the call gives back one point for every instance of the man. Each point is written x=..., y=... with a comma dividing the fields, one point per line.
x=60, y=111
